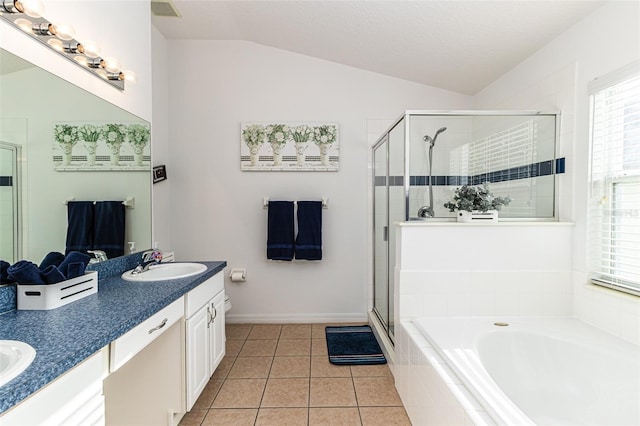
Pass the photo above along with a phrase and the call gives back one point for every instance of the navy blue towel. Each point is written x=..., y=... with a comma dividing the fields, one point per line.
x=68, y=267
x=25, y=272
x=52, y=275
x=53, y=258
x=4, y=275
x=109, y=228
x=280, y=230
x=309, y=239
x=80, y=226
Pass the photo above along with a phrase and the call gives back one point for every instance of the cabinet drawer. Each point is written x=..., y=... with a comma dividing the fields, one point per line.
x=126, y=346
x=199, y=296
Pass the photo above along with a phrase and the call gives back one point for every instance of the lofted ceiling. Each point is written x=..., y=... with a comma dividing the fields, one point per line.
x=459, y=45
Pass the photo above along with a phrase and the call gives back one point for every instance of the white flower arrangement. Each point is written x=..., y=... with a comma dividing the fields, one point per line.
x=254, y=135
x=89, y=132
x=138, y=135
x=114, y=134
x=278, y=134
x=65, y=134
x=324, y=135
x=302, y=133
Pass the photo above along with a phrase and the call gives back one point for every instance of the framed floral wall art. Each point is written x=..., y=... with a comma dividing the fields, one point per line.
x=282, y=146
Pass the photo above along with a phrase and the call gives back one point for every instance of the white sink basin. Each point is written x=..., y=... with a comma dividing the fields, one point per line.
x=166, y=271
x=15, y=357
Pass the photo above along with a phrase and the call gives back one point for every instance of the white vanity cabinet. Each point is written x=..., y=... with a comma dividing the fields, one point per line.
x=205, y=335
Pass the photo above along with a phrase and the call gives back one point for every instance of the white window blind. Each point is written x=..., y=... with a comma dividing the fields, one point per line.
x=614, y=207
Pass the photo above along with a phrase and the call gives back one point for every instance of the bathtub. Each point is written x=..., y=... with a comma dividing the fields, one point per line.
x=545, y=371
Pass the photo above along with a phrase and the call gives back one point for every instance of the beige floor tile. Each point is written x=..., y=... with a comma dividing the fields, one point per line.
x=230, y=417
x=286, y=393
x=376, y=391
x=282, y=417
x=250, y=367
x=240, y=393
x=224, y=367
x=259, y=348
x=237, y=331
x=376, y=370
x=332, y=392
x=321, y=367
x=384, y=416
x=334, y=416
x=265, y=331
x=193, y=418
x=290, y=366
x=319, y=347
x=296, y=331
x=208, y=394
x=233, y=347
x=293, y=347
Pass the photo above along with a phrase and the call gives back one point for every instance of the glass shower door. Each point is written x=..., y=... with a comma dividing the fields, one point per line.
x=9, y=243
x=381, y=233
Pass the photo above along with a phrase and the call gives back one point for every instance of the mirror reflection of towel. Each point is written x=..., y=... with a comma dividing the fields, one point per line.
x=309, y=239
x=108, y=232
x=280, y=230
x=80, y=226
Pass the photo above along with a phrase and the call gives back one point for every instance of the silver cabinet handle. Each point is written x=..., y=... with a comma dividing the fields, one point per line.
x=162, y=324
x=215, y=313
x=209, y=317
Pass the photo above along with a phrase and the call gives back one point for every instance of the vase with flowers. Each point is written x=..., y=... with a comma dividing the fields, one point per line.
x=90, y=134
x=301, y=135
x=138, y=137
x=324, y=136
x=476, y=203
x=114, y=135
x=254, y=136
x=67, y=136
x=277, y=136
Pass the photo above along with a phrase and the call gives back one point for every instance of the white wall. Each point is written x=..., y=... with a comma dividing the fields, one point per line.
x=557, y=77
x=217, y=209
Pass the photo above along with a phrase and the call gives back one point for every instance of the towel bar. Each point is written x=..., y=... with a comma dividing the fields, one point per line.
x=130, y=202
x=265, y=202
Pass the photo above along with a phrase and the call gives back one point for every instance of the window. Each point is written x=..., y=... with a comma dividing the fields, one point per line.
x=614, y=210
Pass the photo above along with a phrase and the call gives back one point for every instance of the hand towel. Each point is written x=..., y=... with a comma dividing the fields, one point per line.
x=53, y=258
x=109, y=228
x=73, y=257
x=309, y=238
x=79, y=226
x=280, y=230
x=75, y=269
x=52, y=275
x=4, y=275
x=25, y=272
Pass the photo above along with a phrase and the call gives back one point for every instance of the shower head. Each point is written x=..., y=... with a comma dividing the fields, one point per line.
x=432, y=140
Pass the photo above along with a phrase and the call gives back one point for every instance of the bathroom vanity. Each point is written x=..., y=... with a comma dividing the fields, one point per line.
x=134, y=353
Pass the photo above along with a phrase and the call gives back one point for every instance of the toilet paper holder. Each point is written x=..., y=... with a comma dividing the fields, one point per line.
x=238, y=274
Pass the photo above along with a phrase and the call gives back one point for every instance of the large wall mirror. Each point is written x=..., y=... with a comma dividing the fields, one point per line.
x=33, y=213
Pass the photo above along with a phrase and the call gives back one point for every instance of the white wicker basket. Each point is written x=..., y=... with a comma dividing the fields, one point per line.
x=51, y=296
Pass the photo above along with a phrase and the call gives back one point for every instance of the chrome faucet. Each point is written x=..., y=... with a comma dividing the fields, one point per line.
x=99, y=256
x=149, y=258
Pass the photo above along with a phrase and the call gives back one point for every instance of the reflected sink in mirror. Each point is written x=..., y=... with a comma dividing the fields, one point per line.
x=166, y=271
x=15, y=357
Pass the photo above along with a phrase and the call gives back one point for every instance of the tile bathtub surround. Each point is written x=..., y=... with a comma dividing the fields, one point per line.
x=276, y=374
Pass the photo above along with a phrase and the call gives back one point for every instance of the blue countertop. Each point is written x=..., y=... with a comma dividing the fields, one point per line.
x=66, y=336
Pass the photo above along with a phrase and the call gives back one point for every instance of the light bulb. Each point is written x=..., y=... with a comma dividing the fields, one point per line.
x=33, y=8
x=55, y=43
x=24, y=24
x=91, y=48
x=111, y=64
x=44, y=28
x=102, y=73
x=82, y=60
x=65, y=32
x=130, y=76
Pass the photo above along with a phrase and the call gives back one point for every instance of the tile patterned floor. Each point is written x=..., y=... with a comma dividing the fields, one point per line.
x=281, y=375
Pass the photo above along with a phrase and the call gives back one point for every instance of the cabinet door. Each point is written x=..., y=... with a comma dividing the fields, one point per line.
x=198, y=355
x=217, y=332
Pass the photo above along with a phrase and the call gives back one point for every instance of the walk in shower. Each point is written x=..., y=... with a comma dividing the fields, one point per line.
x=414, y=175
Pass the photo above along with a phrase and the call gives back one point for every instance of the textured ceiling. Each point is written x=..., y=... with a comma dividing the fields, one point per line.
x=459, y=45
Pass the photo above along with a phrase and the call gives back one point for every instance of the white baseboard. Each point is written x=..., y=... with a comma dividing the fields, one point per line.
x=294, y=318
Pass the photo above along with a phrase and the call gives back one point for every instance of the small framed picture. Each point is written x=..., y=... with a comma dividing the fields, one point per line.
x=159, y=173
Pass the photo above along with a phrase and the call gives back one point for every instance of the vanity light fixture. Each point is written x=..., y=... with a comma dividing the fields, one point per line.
x=27, y=15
